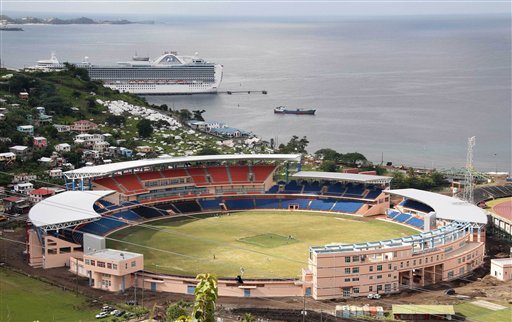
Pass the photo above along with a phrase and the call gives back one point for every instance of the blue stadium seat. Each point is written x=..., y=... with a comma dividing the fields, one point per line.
x=303, y=203
x=267, y=203
x=128, y=215
x=239, y=204
x=416, y=222
x=402, y=217
x=413, y=204
x=372, y=194
x=336, y=189
x=149, y=212
x=347, y=206
x=210, y=204
x=292, y=187
x=273, y=189
x=324, y=205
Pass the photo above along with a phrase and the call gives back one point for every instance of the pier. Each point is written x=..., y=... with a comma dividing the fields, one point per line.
x=264, y=92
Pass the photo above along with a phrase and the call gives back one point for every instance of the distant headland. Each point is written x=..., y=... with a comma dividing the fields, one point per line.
x=57, y=21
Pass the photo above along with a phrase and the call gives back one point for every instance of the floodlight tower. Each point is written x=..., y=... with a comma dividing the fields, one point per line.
x=468, y=177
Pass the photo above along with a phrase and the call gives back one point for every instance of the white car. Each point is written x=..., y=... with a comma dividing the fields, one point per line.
x=374, y=296
x=101, y=315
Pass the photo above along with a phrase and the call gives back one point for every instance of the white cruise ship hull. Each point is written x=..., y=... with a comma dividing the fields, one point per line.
x=162, y=89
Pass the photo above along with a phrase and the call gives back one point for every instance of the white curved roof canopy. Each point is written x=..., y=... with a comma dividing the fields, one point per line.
x=337, y=176
x=107, y=169
x=66, y=209
x=448, y=208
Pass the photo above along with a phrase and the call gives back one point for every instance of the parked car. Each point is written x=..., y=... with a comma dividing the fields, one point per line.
x=374, y=296
x=120, y=313
x=449, y=291
x=101, y=315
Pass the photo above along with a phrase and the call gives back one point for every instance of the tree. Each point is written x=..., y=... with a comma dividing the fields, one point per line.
x=207, y=150
x=328, y=154
x=198, y=115
x=351, y=159
x=248, y=318
x=295, y=145
x=115, y=120
x=206, y=294
x=328, y=166
x=174, y=311
x=184, y=115
x=145, y=128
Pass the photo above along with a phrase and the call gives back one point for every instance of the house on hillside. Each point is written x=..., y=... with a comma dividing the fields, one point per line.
x=37, y=195
x=83, y=126
x=27, y=129
x=63, y=147
x=40, y=142
x=7, y=157
x=22, y=152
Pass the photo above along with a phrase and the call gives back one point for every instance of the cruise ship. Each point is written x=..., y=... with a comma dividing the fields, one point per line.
x=168, y=74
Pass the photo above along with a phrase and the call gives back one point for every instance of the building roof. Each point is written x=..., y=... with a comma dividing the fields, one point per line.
x=11, y=199
x=107, y=169
x=502, y=261
x=113, y=254
x=337, y=176
x=66, y=209
x=42, y=191
x=448, y=208
x=19, y=147
x=423, y=309
x=7, y=154
x=39, y=138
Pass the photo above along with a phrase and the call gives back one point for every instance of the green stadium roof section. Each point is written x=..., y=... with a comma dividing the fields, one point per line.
x=66, y=209
x=446, y=207
x=107, y=169
x=348, y=177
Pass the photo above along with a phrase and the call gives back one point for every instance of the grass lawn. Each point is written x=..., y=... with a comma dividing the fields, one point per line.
x=256, y=241
x=25, y=299
x=477, y=313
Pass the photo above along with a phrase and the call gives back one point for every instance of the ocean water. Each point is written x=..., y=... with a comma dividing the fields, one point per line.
x=410, y=88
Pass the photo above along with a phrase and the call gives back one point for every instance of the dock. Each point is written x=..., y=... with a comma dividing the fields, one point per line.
x=264, y=92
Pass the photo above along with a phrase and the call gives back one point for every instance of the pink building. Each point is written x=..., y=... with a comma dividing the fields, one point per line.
x=83, y=126
x=40, y=142
x=109, y=269
x=37, y=195
x=501, y=268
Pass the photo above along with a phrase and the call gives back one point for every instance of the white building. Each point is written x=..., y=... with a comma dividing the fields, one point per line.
x=501, y=268
x=24, y=188
x=63, y=147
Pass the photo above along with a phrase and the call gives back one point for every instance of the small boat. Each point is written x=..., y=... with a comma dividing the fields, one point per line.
x=298, y=111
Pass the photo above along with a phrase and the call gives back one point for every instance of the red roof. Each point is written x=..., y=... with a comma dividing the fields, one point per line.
x=42, y=192
x=11, y=199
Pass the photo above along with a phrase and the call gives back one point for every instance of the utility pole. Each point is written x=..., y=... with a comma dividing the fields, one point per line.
x=135, y=289
x=76, y=290
x=304, y=309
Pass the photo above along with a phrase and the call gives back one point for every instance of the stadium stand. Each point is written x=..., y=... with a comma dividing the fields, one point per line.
x=239, y=173
x=129, y=182
x=372, y=194
x=336, y=190
x=261, y=172
x=415, y=205
x=186, y=206
x=402, y=217
x=174, y=173
x=267, y=203
x=109, y=183
x=198, y=175
x=152, y=175
x=311, y=188
x=128, y=215
x=492, y=192
x=347, y=206
x=218, y=175
x=149, y=212
x=102, y=226
x=302, y=203
x=210, y=204
x=273, y=189
x=416, y=222
x=325, y=205
x=354, y=190
x=239, y=204
x=293, y=187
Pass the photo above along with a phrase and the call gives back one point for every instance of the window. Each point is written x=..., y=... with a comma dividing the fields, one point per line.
x=389, y=266
x=414, y=262
x=379, y=267
x=401, y=264
x=87, y=262
x=93, y=263
x=420, y=261
x=379, y=288
x=450, y=274
x=371, y=277
x=346, y=292
x=355, y=258
x=114, y=266
x=461, y=270
x=387, y=288
x=347, y=259
x=191, y=289
x=134, y=263
x=355, y=270
x=379, y=277
x=371, y=269
x=125, y=265
x=355, y=290
x=109, y=265
x=247, y=292
x=355, y=279
x=101, y=264
x=347, y=279
x=407, y=263
x=370, y=289
x=347, y=270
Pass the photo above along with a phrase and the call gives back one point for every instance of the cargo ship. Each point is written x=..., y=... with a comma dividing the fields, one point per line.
x=297, y=111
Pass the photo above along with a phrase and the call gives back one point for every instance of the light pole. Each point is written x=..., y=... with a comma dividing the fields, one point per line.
x=496, y=163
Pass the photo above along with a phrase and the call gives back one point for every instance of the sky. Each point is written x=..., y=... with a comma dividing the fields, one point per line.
x=286, y=8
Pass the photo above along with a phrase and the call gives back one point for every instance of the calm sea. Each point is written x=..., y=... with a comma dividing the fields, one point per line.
x=410, y=88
